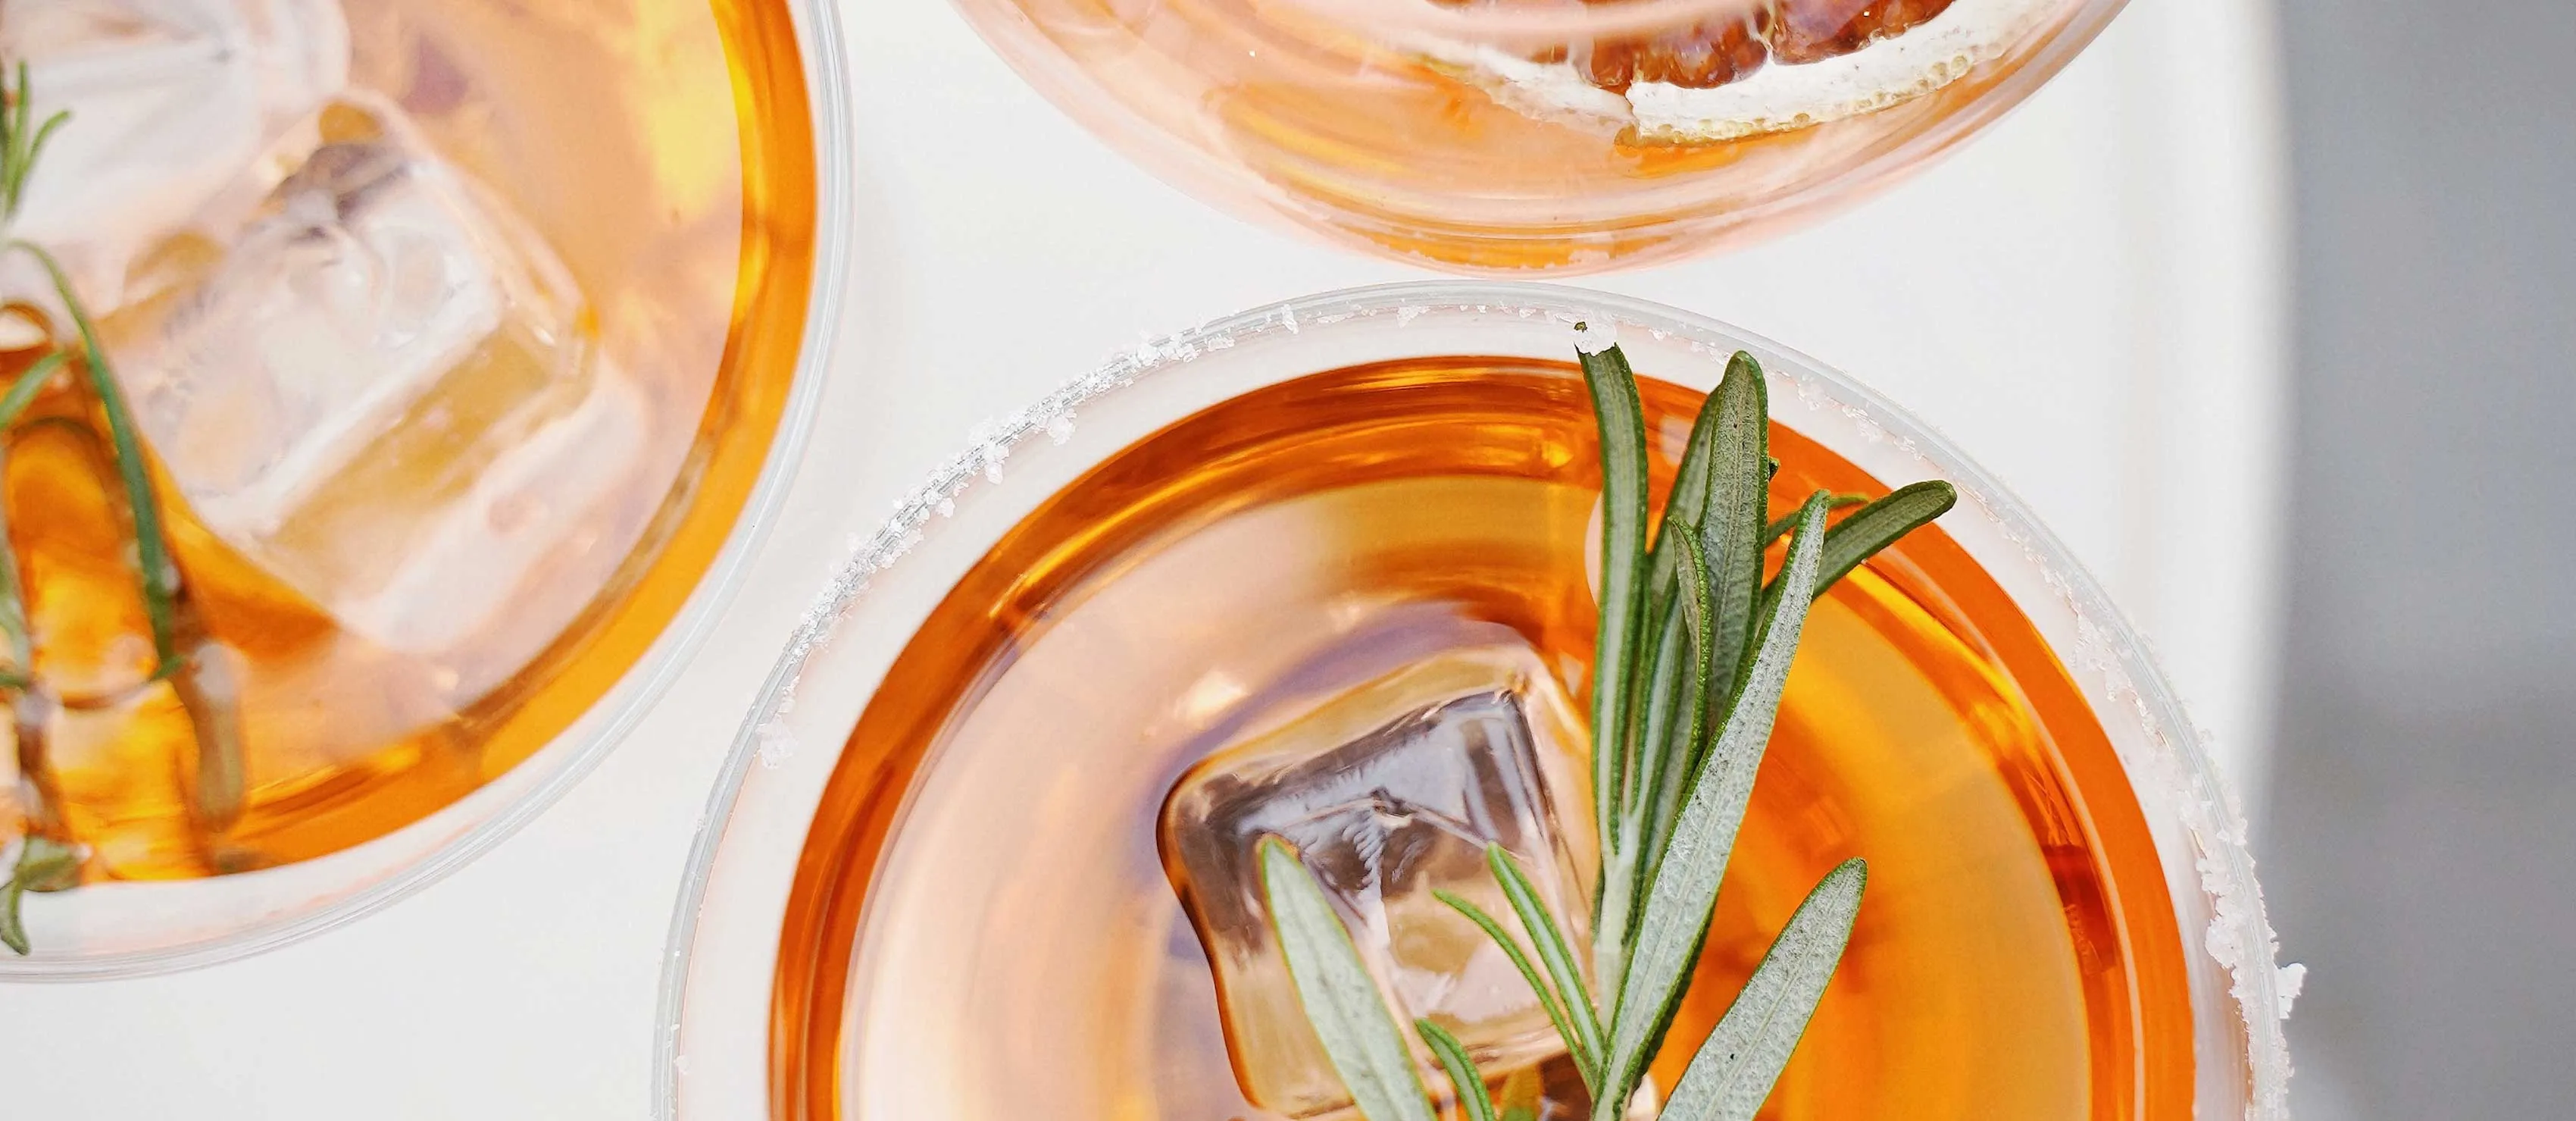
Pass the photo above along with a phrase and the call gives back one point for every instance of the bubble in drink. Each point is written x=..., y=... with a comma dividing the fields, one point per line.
x=172, y=98
x=384, y=391
x=1389, y=793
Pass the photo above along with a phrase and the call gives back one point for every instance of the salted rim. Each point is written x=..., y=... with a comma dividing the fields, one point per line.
x=2238, y=937
x=820, y=53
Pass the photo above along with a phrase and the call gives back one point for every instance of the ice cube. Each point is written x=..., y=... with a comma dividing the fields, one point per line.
x=384, y=391
x=169, y=100
x=1390, y=792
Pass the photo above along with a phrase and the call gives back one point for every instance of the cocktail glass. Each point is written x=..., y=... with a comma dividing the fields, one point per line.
x=472, y=344
x=1500, y=136
x=937, y=875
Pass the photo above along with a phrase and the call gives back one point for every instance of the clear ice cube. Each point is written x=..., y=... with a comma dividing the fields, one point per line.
x=1390, y=792
x=384, y=390
x=170, y=99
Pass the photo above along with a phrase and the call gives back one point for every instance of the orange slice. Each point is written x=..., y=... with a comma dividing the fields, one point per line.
x=1785, y=65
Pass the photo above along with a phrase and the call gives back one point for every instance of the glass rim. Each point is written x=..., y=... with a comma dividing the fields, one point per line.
x=820, y=52
x=2229, y=930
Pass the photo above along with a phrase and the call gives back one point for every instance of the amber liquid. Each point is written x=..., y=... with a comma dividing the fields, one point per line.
x=990, y=934
x=662, y=149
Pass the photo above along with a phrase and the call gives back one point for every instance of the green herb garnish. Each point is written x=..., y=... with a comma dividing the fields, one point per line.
x=1691, y=657
x=182, y=654
x=1337, y=993
x=44, y=864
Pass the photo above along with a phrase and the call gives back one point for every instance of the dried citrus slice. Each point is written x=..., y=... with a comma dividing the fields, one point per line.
x=1787, y=64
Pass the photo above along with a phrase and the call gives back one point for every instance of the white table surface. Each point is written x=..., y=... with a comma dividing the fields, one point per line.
x=2088, y=298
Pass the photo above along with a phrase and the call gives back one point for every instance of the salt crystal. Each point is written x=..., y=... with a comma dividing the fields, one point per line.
x=1592, y=336
x=776, y=745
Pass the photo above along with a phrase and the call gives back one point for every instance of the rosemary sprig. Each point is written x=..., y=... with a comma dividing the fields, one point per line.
x=44, y=864
x=19, y=144
x=160, y=577
x=1693, y=654
x=1715, y=514
x=182, y=654
x=41, y=859
x=198, y=673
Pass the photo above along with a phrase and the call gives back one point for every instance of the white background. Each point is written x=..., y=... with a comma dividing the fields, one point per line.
x=2088, y=299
